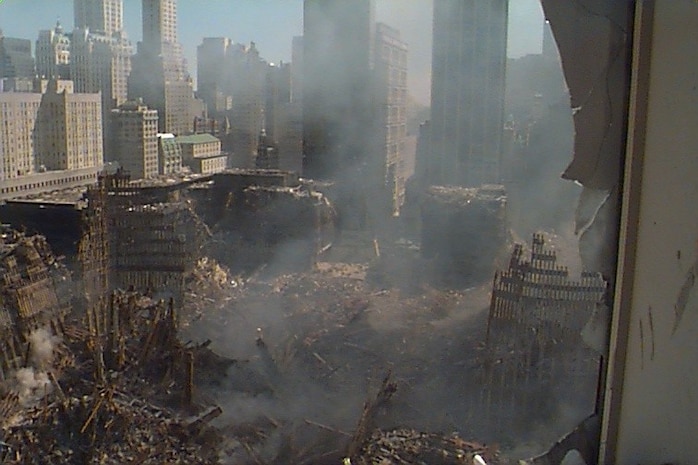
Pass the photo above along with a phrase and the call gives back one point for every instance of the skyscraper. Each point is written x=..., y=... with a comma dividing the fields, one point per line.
x=212, y=75
x=467, y=94
x=159, y=24
x=231, y=80
x=99, y=16
x=337, y=110
x=101, y=63
x=159, y=75
x=16, y=59
x=391, y=96
x=53, y=53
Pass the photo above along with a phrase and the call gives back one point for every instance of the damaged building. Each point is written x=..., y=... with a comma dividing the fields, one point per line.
x=535, y=356
x=464, y=230
x=265, y=218
x=140, y=237
x=33, y=294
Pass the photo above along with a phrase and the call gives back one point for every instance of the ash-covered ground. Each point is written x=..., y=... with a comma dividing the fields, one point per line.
x=303, y=352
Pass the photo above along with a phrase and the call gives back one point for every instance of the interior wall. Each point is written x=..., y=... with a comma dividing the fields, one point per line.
x=651, y=412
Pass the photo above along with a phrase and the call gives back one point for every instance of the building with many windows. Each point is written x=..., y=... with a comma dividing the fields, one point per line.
x=158, y=73
x=70, y=128
x=100, y=51
x=16, y=60
x=391, y=95
x=53, y=53
x=103, y=17
x=133, y=139
x=202, y=153
x=49, y=139
x=169, y=154
x=18, y=115
x=467, y=94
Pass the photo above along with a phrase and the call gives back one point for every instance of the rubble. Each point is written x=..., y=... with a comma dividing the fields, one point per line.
x=111, y=386
x=197, y=364
x=34, y=293
x=407, y=446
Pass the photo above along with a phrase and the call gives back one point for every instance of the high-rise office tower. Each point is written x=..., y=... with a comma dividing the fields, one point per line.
x=101, y=53
x=101, y=63
x=391, y=96
x=133, y=139
x=159, y=24
x=467, y=94
x=99, y=16
x=212, y=75
x=159, y=75
x=297, y=69
x=70, y=130
x=16, y=60
x=232, y=82
x=53, y=53
x=337, y=109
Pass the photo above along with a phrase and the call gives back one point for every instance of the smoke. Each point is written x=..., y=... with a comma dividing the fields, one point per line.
x=311, y=368
x=31, y=385
x=42, y=344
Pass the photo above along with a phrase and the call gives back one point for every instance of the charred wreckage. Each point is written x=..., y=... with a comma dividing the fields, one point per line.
x=176, y=334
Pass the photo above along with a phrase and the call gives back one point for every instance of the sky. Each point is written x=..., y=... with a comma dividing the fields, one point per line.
x=272, y=23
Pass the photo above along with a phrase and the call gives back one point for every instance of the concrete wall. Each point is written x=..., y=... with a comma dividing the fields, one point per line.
x=651, y=411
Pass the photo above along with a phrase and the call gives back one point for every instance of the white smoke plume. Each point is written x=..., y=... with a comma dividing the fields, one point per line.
x=31, y=385
x=42, y=344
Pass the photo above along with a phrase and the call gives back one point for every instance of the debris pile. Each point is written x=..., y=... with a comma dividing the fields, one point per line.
x=34, y=293
x=407, y=446
x=120, y=390
x=102, y=426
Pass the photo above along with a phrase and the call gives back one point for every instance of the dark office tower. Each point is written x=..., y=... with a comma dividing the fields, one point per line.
x=159, y=75
x=99, y=16
x=467, y=94
x=16, y=59
x=337, y=113
x=297, y=69
x=212, y=74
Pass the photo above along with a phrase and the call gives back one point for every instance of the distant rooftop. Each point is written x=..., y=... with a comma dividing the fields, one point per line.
x=197, y=139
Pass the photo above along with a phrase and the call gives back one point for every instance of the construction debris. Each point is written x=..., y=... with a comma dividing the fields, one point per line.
x=34, y=293
x=297, y=353
x=407, y=446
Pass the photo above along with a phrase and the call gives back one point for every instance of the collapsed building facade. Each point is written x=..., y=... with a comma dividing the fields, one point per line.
x=137, y=237
x=147, y=237
x=266, y=217
x=534, y=350
x=32, y=294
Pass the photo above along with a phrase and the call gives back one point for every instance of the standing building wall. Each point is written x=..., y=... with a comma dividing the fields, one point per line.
x=535, y=356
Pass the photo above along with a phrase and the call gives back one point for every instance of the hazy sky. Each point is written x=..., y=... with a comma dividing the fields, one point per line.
x=272, y=23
